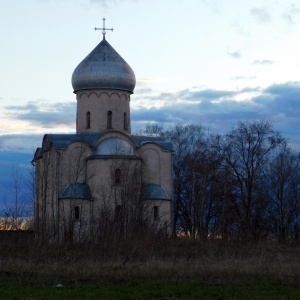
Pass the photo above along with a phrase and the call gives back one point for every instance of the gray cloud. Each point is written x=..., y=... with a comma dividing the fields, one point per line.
x=20, y=143
x=279, y=104
x=209, y=94
x=218, y=109
x=251, y=89
x=234, y=54
x=261, y=14
x=242, y=77
x=263, y=62
x=42, y=113
x=291, y=13
x=214, y=6
x=107, y=3
x=214, y=109
x=143, y=91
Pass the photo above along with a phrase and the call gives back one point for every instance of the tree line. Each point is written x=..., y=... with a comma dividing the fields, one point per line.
x=241, y=185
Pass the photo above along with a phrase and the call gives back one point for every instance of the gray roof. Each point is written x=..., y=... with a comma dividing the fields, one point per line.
x=77, y=191
x=155, y=192
x=140, y=140
x=61, y=141
x=103, y=68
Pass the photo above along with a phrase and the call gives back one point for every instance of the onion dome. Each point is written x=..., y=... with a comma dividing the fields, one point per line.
x=103, y=68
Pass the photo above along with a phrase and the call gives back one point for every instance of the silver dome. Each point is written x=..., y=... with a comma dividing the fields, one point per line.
x=103, y=68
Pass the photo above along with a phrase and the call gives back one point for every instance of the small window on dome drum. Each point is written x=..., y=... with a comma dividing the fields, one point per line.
x=109, y=119
x=88, y=120
x=125, y=121
x=76, y=212
x=117, y=176
x=118, y=211
x=155, y=213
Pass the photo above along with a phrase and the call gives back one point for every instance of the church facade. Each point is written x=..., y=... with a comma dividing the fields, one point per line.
x=102, y=175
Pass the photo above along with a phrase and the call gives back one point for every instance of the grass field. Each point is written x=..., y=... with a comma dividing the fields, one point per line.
x=149, y=269
x=150, y=291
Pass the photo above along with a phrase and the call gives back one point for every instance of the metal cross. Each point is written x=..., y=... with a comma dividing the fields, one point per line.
x=104, y=29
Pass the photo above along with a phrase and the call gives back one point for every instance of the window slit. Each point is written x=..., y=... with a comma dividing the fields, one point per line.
x=109, y=119
x=88, y=120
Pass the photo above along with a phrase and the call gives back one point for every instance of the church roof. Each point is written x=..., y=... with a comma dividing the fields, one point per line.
x=141, y=140
x=155, y=192
x=103, y=68
x=77, y=191
x=61, y=141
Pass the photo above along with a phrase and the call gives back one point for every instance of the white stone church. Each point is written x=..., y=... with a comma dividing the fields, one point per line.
x=102, y=173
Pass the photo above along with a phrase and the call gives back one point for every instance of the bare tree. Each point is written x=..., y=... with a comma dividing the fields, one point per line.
x=246, y=151
x=282, y=179
x=152, y=129
x=17, y=210
x=196, y=191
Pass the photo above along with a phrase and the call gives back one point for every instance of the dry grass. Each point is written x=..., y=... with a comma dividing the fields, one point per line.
x=210, y=263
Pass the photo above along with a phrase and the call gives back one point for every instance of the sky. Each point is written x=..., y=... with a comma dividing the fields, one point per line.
x=209, y=62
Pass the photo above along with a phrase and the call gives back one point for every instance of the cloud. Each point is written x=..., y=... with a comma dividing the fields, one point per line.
x=218, y=109
x=263, y=62
x=215, y=109
x=149, y=80
x=42, y=113
x=209, y=94
x=20, y=143
x=291, y=13
x=242, y=77
x=234, y=54
x=250, y=90
x=104, y=3
x=143, y=91
x=260, y=14
x=214, y=6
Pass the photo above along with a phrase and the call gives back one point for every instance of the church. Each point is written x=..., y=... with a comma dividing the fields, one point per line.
x=102, y=178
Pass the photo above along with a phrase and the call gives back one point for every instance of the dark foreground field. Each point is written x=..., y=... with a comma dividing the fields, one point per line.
x=148, y=269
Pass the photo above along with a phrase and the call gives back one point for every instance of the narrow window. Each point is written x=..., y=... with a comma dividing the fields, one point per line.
x=118, y=210
x=125, y=121
x=155, y=212
x=88, y=120
x=117, y=176
x=109, y=119
x=76, y=212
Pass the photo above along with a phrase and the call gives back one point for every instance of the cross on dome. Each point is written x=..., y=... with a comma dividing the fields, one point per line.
x=104, y=29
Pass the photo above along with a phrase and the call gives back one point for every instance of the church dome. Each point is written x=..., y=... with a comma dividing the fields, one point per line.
x=103, y=68
x=114, y=146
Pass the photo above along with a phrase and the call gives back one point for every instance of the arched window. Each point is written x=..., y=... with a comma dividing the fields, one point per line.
x=88, y=120
x=117, y=176
x=109, y=119
x=155, y=212
x=125, y=121
x=76, y=213
x=118, y=211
